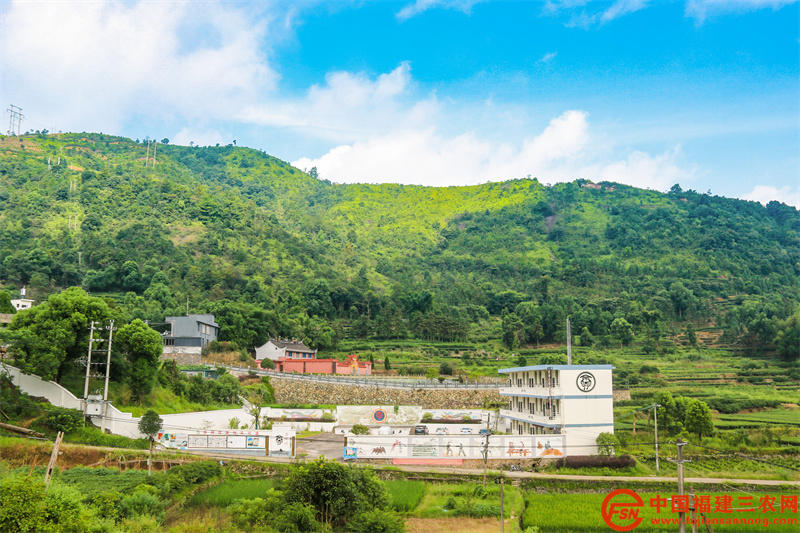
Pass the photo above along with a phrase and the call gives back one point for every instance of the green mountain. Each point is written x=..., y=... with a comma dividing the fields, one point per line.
x=272, y=250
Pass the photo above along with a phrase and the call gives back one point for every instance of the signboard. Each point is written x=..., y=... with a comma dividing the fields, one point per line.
x=236, y=441
x=198, y=441
x=350, y=452
x=280, y=446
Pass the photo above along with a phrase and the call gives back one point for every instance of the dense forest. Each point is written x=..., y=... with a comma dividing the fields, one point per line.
x=156, y=229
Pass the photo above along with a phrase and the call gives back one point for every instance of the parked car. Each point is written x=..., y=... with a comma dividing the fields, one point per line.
x=420, y=430
x=466, y=431
x=442, y=431
x=486, y=432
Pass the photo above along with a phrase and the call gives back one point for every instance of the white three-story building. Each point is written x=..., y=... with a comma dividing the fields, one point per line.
x=571, y=400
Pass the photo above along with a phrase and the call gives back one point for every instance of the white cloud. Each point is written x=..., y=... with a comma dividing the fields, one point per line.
x=420, y=6
x=766, y=193
x=351, y=107
x=105, y=61
x=587, y=14
x=702, y=9
x=620, y=8
x=563, y=151
x=548, y=57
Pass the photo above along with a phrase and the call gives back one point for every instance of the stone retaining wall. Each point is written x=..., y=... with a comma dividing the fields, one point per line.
x=307, y=392
x=183, y=356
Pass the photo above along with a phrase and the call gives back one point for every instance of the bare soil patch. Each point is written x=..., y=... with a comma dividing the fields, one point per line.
x=449, y=525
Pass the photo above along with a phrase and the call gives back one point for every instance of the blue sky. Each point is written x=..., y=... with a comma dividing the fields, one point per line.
x=704, y=93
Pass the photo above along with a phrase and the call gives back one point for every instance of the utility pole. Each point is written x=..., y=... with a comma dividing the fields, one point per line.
x=110, y=329
x=53, y=458
x=679, y=462
x=155, y=146
x=569, y=343
x=88, y=367
x=486, y=449
x=15, y=114
x=655, y=416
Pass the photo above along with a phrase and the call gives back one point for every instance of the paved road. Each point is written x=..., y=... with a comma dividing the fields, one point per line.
x=328, y=444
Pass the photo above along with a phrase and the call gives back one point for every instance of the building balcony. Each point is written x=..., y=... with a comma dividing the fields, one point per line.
x=538, y=419
x=539, y=392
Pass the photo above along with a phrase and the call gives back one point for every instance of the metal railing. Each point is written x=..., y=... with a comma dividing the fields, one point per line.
x=369, y=381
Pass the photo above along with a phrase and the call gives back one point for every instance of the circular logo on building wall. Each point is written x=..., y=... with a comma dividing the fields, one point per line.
x=586, y=381
x=379, y=416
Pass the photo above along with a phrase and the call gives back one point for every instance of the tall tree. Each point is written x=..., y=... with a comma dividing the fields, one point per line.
x=149, y=425
x=698, y=418
x=51, y=336
x=142, y=347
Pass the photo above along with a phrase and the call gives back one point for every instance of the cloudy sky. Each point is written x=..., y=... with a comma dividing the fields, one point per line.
x=704, y=93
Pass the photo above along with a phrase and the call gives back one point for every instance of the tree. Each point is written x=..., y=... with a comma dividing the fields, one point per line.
x=142, y=347
x=386, y=364
x=699, y=419
x=337, y=492
x=512, y=330
x=149, y=425
x=681, y=298
x=586, y=337
x=622, y=331
x=257, y=397
x=5, y=303
x=667, y=412
x=691, y=336
x=787, y=339
x=51, y=336
x=606, y=443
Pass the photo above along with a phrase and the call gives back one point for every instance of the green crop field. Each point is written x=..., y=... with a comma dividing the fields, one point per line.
x=577, y=513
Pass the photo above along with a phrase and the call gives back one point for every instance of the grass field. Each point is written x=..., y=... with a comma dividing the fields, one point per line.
x=226, y=492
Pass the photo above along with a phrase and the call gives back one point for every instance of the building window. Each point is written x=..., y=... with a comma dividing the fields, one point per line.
x=169, y=342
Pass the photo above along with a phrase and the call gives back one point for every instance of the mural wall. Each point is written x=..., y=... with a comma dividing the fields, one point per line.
x=280, y=441
x=457, y=446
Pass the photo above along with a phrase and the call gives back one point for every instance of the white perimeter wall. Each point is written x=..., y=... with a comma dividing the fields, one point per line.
x=455, y=447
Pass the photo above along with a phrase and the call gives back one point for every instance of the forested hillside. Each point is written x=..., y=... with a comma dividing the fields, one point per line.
x=272, y=250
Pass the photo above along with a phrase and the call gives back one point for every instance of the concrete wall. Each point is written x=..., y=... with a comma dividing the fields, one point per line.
x=35, y=386
x=457, y=446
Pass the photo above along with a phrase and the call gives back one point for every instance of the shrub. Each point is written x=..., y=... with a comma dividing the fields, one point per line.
x=297, y=518
x=105, y=504
x=66, y=420
x=247, y=513
x=141, y=503
x=64, y=509
x=377, y=521
x=359, y=429
x=21, y=504
x=198, y=472
x=596, y=461
x=427, y=417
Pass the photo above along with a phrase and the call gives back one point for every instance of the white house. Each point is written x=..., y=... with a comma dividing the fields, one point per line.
x=22, y=302
x=284, y=348
x=571, y=400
